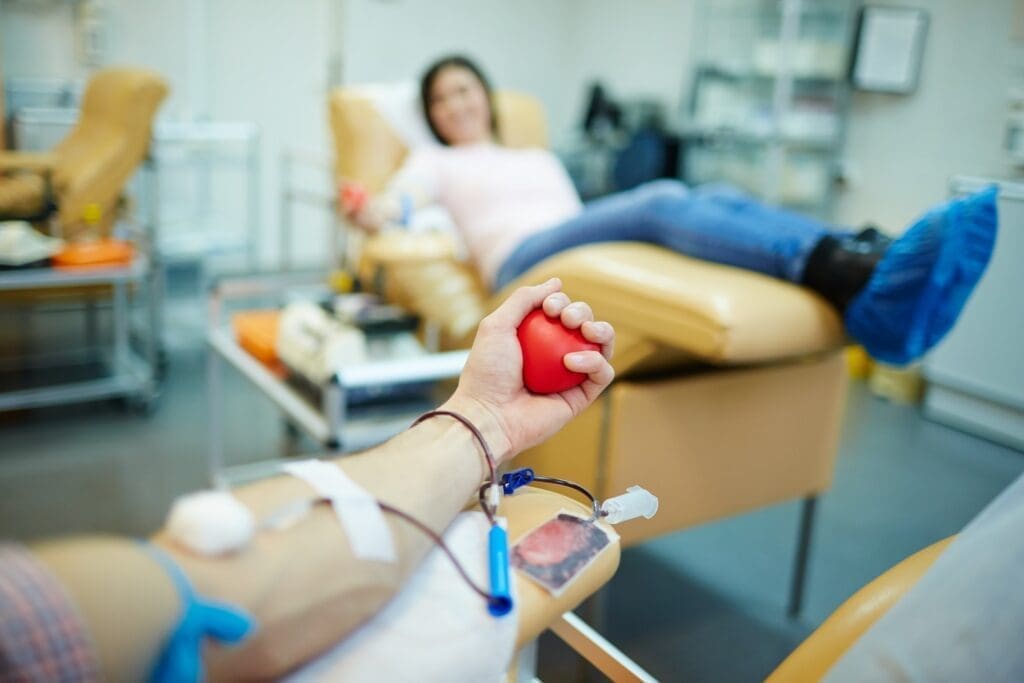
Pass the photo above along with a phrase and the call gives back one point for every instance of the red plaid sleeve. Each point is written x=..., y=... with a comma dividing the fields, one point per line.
x=42, y=637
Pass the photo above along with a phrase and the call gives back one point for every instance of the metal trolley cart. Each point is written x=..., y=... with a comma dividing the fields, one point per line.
x=326, y=414
x=85, y=373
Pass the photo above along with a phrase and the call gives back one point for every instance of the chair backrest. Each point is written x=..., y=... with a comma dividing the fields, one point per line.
x=109, y=141
x=368, y=149
x=373, y=129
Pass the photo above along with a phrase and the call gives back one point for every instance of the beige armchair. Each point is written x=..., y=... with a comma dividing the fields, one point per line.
x=94, y=162
x=730, y=384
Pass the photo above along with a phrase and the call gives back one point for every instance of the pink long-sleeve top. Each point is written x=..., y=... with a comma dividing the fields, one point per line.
x=496, y=195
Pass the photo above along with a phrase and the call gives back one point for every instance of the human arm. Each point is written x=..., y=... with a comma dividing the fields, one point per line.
x=304, y=587
x=414, y=185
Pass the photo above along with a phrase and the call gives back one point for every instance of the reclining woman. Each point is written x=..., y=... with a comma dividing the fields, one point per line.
x=516, y=207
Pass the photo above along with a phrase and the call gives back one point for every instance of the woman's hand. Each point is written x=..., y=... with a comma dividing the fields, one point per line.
x=378, y=212
x=491, y=387
x=371, y=214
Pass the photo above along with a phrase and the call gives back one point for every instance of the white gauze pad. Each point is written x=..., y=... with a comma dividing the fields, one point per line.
x=210, y=523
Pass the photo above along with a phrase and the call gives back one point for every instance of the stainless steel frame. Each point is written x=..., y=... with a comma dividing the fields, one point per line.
x=597, y=650
x=203, y=144
x=200, y=143
x=130, y=374
x=587, y=643
x=291, y=194
x=330, y=424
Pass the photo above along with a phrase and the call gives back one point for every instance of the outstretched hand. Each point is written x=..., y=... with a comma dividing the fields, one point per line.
x=371, y=213
x=492, y=381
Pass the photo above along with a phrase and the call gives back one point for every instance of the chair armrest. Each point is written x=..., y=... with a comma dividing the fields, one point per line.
x=851, y=620
x=98, y=177
x=400, y=246
x=420, y=273
x=39, y=162
x=539, y=610
x=711, y=312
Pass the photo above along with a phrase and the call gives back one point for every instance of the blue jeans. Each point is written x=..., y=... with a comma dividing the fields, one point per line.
x=717, y=224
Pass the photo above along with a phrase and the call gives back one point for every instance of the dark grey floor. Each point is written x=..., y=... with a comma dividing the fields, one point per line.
x=703, y=605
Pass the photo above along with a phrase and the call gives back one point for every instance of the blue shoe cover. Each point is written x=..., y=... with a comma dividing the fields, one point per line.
x=923, y=280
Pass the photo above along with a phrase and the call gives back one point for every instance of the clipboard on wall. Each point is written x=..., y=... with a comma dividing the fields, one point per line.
x=888, y=49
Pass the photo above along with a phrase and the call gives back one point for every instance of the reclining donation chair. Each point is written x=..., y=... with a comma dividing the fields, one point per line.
x=729, y=386
x=91, y=166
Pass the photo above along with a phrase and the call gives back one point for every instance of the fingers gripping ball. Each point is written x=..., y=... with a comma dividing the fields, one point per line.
x=544, y=342
x=353, y=197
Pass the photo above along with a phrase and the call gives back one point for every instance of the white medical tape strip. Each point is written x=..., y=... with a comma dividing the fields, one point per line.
x=357, y=510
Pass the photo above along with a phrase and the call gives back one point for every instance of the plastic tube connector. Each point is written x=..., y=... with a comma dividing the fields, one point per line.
x=635, y=502
x=493, y=496
x=500, y=603
x=516, y=479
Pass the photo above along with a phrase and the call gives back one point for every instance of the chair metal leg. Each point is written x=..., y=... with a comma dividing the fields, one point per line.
x=215, y=417
x=91, y=327
x=803, y=548
x=525, y=664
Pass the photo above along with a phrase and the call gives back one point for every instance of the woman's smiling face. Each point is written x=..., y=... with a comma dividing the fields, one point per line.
x=459, y=107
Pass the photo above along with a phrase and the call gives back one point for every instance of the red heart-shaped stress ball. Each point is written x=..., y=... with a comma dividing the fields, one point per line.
x=544, y=342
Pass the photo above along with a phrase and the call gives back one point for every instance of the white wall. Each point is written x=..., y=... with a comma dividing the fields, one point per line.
x=267, y=61
x=552, y=48
x=273, y=70
x=638, y=49
x=522, y=45
x=35, y=40
x=902, y=149
x=549, y=47
x=39, y=41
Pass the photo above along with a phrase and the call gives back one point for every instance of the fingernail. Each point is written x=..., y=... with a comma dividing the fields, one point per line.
x=574, y=359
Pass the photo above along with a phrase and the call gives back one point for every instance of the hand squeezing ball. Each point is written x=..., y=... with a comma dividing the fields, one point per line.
x=353, y=197
x=544, y=342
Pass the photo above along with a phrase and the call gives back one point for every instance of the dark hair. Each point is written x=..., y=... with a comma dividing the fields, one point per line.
x=431, y=74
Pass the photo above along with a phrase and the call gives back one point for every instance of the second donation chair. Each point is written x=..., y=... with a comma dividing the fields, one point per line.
x=730, y=384
x=92, y=164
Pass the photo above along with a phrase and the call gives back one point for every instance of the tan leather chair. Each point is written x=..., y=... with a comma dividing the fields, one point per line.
x=730, y=384
x=94, y=162
x=813, y=659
